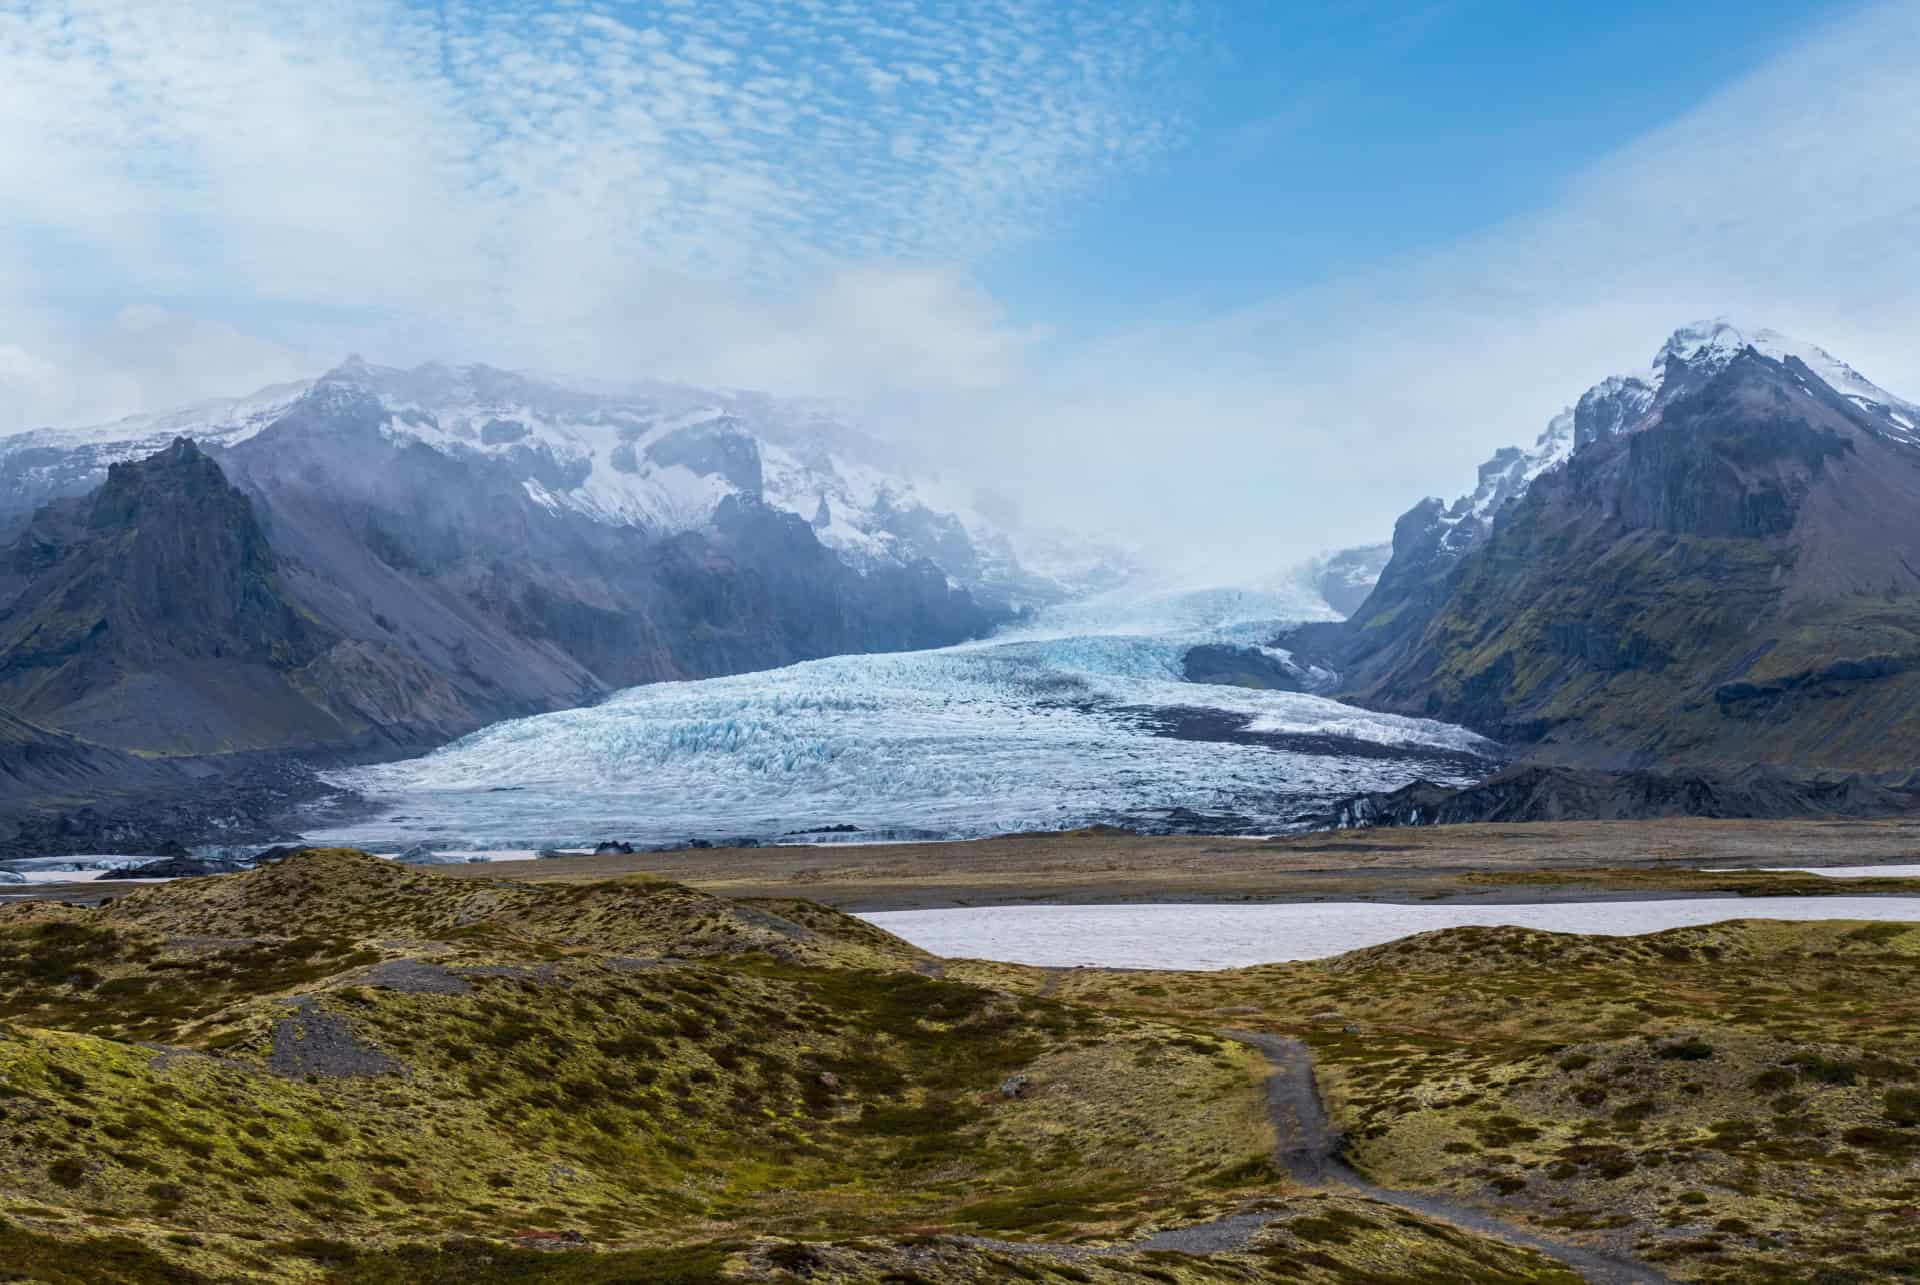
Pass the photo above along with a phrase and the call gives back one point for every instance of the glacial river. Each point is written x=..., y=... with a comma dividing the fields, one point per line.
x=1235, y=936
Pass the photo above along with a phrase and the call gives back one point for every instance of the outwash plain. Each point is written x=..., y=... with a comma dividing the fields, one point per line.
x=697, y=1067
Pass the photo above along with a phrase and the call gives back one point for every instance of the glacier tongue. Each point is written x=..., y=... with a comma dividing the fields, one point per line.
x=1037, y=729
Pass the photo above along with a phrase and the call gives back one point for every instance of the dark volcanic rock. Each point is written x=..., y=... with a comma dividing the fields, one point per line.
x=613, y=848
x=153, y=617
x=311, y=1043
x=414, y=977
x=279, y=852
x=1229, y=666
x=1535, y=793
x=1200, y=723
x=140, y=805
x=185, y=867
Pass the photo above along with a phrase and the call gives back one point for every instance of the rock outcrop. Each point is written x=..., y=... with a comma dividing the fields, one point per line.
x=1540, y=793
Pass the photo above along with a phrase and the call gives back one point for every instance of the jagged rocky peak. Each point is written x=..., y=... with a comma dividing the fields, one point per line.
x=182, y=474
x=193, y=554
x=1611, y=406
x=159, y=585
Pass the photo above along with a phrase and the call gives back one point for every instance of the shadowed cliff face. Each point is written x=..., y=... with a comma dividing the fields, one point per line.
x=163, y=560
x=151, y=615
x=1732, y=581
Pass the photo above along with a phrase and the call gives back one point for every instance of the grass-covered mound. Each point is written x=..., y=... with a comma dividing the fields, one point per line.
x=300, y=1071
x=1736, y=1102
x=336, y=1069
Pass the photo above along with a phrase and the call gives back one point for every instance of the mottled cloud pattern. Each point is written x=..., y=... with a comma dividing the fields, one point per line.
x=812, y=196
x=623, y=185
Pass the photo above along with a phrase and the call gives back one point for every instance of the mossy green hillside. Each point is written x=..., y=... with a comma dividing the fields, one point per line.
x=1739, y=1102
x=635, y=1063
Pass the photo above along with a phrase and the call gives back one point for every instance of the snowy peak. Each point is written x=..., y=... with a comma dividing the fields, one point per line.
x=1691, y=356
x=655, y=456
x=1433, y=535
x=1706, y=348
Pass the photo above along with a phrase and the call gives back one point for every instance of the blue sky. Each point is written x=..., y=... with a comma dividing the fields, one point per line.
x=1320, y=140
x=1250, y=277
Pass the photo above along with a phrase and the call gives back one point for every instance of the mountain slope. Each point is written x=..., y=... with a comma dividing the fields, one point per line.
x=1434, y=536
x=1726, y=574
x=527, y=604
x=357, y=590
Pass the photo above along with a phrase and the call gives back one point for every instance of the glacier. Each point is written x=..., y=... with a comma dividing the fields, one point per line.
x=1061, y=722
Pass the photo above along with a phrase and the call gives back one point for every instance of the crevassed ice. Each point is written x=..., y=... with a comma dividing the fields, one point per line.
x=1040, y=729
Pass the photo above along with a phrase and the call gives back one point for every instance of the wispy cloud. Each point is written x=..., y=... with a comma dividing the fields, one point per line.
x=575, y=183
x=1789, y=199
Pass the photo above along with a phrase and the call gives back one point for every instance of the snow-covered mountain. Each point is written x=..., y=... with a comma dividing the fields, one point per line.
x=655, y=456
x=1690, y=357
x=1344, y=577
x=1713, y=564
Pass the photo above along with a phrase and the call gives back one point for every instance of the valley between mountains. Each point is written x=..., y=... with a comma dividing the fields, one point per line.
x=338, y=1068
x=472, y=609
x=470, y=826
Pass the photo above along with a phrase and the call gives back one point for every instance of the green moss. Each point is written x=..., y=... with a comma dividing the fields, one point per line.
x=486, y=1263
x=88, y=1260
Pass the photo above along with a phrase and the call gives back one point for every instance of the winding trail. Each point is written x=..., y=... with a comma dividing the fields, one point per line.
x=1308, y=1149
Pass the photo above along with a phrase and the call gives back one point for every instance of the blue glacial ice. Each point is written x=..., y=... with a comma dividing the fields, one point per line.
x=1038, y=728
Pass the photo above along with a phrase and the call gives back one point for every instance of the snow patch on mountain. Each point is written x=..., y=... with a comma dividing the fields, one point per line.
x=1709, y=346
x=218, y=419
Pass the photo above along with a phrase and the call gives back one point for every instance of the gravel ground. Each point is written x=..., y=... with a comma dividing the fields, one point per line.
x=310, y=1041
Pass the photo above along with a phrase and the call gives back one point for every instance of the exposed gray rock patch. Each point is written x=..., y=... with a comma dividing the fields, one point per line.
x=519, y=972
x=767, y=919
x=414, y=977
x=626, y=964
x=311, y=1042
